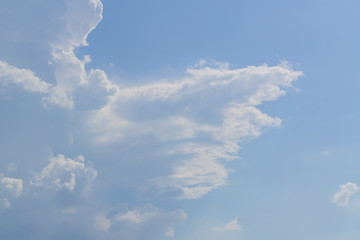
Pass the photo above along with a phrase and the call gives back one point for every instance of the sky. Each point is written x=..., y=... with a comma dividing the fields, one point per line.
x=165, y=119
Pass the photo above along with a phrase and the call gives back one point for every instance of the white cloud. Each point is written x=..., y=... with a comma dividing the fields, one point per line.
x=202, y=118
x=10, y=188
x=24, y=78
x=234, y=90
x=212, y=109
x=233, y=225
x=343, y=195
x=80, y=19
x=137, y=216
x=62, y=32
x=200, y=173
x=59, y=97
x=66, y=173
x=14, y=185
x=214, y=106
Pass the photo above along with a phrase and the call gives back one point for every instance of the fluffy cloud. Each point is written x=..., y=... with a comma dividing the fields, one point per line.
x=24, y=78
x=202, y=118
x=66, y=173
x=80, y=19
x=213, y=108
x=233, y=225
x=209, y=93
x=10, y=189
x=14, y=185
x=343, y=196
x=66, y=29
x=197, y=122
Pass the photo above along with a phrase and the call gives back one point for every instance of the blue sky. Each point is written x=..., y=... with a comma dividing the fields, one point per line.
x=179, y=120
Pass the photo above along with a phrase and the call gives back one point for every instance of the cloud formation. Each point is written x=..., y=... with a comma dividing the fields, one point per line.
x=202, y=117
x=196, y=122
x=14, y=185
x=60, y=40
x=66, y=173
x=233, y=225
x=80, y=19
x=24, y=78
x=10, y=189
x=140, y=223
x=343, y=196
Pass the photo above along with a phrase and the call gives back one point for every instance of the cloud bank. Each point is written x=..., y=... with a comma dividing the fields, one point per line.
x=195, y=124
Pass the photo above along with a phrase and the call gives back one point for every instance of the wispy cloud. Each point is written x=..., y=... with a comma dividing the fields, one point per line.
x=233, y=225
x=139, y=222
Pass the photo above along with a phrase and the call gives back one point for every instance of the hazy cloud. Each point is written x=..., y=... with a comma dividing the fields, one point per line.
x=233, y=225
x=141, y=222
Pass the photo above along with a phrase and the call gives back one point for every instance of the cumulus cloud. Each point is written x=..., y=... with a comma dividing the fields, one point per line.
x=10, y=189
x=80, y=19
x=233, y=225
x=198, y=121
x=343, y=196
x=217, y=92
x=63, y=31
x=24, y=78
x=212, y=108
x=66, y=173
x=202, y=118
x=14, y=185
